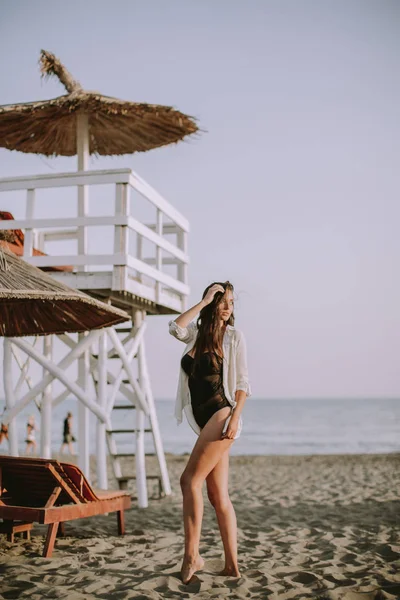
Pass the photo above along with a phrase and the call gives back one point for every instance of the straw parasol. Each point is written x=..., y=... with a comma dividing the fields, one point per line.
x=33, y=303
x=112, y=126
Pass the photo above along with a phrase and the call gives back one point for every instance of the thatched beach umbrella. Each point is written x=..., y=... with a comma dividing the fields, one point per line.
x=34, y=303
x=85, y=121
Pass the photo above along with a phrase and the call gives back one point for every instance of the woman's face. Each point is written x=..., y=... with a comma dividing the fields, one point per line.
x=226, y=306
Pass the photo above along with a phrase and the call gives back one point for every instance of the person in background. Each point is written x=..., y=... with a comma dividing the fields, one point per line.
x=68, y=438
x=3, y=431
x=30, y=436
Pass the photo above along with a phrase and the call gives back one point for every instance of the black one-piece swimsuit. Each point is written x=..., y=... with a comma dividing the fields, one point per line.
x=206, y=387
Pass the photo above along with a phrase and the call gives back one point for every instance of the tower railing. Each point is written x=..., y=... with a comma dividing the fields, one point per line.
x=124, y=270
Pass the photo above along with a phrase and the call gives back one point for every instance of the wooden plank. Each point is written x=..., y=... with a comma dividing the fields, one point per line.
x=22, y=513
x=54, y=495
x=81, y=178
x=15, y=526
x=73, y=511
x=155, y=198
x=167, y=280
x=168, y=228
x=81, y=221
x=28, y=240
x=65, y=179
x=67, y=512
x=50, y=539
x=78, y=260
x=157, y=239
x=61, y=482
x=121, y=522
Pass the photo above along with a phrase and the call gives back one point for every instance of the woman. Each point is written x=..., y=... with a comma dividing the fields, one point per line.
x=212, y=389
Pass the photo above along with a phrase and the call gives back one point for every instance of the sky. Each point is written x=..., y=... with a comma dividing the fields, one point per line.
x=292, y=188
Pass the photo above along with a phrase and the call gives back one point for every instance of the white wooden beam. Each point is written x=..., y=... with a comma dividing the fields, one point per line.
x=157, y=439
x=128, y=369
x=93, y=368
x=83, y=412
x=10, y=398
x=80, y=221
x=140, y=457
x=56, y=372
x=159, y=230
x=70, y=179
x=139, y=265
x=82, y=139
x=130, y=354
x=101, y=442
x=154, y=197
x=30, y=209
x=45, y=411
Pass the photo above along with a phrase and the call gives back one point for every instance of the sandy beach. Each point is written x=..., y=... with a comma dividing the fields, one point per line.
x=323, y=527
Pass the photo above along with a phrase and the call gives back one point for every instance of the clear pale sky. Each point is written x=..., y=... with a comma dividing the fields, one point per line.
x=293, y=193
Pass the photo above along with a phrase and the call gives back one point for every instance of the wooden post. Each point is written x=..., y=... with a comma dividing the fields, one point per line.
x=101, y=450
x=83, y=412
x=46, y=408
x=182, y=267
x=141, y=482
x=9, y=395
x=159, y=231
x=157, y=440
x=139, y=253
x=30, y=208
x=121, y=236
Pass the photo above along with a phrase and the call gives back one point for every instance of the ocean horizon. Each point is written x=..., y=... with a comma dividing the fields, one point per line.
x=270, y=426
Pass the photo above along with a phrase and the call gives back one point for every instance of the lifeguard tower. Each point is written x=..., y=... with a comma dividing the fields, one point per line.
x=142, y=271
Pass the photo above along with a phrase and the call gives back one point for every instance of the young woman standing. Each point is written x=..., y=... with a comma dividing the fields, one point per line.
x=212, y=389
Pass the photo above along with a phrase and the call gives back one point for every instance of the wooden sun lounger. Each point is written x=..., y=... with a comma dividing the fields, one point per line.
x=46, y=491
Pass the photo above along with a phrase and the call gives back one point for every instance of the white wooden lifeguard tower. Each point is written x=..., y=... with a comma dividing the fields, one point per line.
x=144, y=273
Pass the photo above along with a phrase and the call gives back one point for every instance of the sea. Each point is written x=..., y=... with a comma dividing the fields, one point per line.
x=270, y=426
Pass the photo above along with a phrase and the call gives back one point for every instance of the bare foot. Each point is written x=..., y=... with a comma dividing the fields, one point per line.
x=189, y=568
x=231, y=571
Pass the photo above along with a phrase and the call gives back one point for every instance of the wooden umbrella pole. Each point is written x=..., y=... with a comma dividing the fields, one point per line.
x=82, y=140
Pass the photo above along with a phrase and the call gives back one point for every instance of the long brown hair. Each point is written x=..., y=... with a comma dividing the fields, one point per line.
x=210, y=334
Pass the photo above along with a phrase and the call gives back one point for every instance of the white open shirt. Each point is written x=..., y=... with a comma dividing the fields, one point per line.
x=235, y=372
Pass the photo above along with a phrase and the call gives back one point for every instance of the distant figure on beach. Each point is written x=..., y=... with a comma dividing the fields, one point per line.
x=3, y=431
x=68, y=438
x=30, y=436
x=212, y=389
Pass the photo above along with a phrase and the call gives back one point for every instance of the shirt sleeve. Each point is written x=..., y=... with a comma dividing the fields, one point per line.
x=183, y=334
x=242, y=375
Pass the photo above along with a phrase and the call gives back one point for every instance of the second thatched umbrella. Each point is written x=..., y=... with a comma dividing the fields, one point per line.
x=33, y=303
x=108, y=126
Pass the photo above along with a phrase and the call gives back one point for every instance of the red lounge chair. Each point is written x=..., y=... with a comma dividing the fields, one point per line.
x=46, y=491
x=16, y=243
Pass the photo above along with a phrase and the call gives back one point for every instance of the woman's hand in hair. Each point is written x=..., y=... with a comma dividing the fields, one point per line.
x=209, y=297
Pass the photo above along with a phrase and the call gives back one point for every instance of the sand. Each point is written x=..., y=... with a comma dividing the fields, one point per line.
x=322, y=527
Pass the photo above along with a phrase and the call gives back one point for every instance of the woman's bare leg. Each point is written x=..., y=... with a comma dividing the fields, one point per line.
x=207, y=451
x=217, y=490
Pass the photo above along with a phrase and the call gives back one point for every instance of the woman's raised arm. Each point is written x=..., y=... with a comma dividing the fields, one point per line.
x=182, y=327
